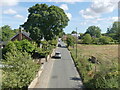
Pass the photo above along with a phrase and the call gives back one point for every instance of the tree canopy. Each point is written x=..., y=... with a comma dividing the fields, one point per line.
x=6, y=33
x=70, y=40
x=94, y=31
x=45, y=21
x=73, y=32
x=114, y=31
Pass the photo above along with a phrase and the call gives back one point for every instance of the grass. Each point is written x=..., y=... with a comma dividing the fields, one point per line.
x=107, y=55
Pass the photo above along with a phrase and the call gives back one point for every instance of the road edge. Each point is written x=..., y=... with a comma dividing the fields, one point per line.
x=35, y=80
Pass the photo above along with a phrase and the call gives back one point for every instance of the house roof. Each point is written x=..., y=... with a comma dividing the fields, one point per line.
x=24, y=33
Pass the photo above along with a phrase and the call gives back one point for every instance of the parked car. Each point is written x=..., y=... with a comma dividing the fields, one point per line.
x=57, y=55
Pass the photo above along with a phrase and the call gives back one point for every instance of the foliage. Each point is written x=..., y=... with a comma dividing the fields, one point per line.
x=87, y=39
x=53, y=42
x=106, y=78
x=61, y=34
x=47, y=47
x=81, y=35
x=37, y=23
x=95, y=40
x=70, y=40
x=6, y=33
x=9, y=47
x=23, y=45
x=94, y=31
x=73, y=32
x=19, y=70
x=114, y=28
x=114, y=31
x=102, y=77
x=105, y=40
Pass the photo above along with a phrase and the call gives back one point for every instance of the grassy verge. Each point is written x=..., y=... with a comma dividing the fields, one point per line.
x=103, y=75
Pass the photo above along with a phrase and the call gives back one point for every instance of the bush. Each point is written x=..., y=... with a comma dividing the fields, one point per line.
x=23, y=45
x=19, y=70
x=105, y=40
x=100, y=78
x=87, y=39
x=105, y=80
x=95, y=40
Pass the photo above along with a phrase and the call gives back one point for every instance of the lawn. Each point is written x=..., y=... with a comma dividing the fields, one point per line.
x=107, y=55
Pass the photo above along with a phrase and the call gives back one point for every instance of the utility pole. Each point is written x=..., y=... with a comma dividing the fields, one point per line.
x=76, y=42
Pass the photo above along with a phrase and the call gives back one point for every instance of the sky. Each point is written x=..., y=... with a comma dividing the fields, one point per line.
x=82, y=13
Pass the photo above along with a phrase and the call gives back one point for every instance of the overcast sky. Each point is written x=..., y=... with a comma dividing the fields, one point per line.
x=82, y=13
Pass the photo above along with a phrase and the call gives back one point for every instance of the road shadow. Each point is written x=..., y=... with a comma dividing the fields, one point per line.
x=75, y=78
x=55, y=57
x=80, y=86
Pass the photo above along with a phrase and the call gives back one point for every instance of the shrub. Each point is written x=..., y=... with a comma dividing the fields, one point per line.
x=19, y=70
x=23, y=45
x=95, y=40
x=105, y=40
x=87, y=39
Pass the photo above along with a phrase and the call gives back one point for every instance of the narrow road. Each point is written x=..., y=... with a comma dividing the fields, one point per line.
x=64, y=73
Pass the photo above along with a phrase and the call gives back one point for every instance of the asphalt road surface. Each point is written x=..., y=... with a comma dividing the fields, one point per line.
x=64, y=73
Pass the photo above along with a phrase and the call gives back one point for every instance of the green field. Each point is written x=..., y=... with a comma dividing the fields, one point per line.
x=107, y=55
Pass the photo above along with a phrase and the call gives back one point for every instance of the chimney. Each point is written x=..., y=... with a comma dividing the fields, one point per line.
x=20, y=34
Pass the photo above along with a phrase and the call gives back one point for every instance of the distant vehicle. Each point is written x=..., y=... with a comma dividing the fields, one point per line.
x=59, y=45
x=57, y=55
x=59, y=39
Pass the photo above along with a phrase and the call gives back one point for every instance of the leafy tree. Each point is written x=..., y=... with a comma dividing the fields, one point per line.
x=53, y=42
x=61, y=34
x=114, y=28
x=114, y=32
x=45, y=21
x=94, y=31
x=19, y=70
x=87, y=39
x=73, y=32
x=105, y=40
x=70, y=40
x=6, y=33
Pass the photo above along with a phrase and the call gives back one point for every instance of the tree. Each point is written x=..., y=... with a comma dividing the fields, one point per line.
x=61, y=34
x=114, y=28
x=6, y=33
x=19, y=70
x=70, y=40
x=114, y=31
x=45, y=21
x=87, y=39
x=73, y=32
x=94, y=31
